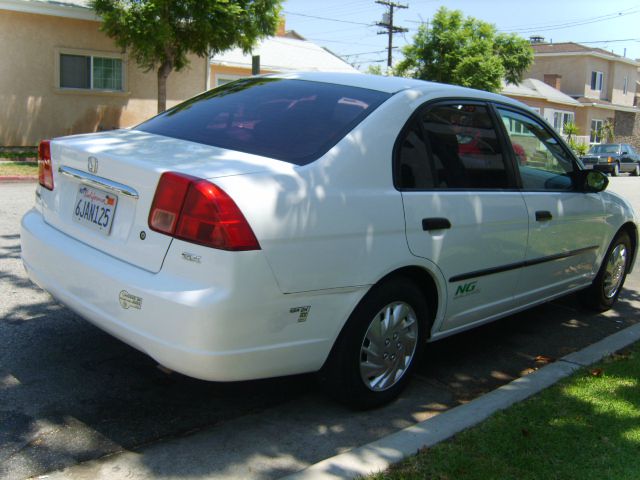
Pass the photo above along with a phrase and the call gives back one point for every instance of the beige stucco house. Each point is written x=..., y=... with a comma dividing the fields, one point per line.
x=556, y=107
x=60, y=75
x=602, y=82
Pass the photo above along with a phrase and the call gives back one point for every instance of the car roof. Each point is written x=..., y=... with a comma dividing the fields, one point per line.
x=396, y=84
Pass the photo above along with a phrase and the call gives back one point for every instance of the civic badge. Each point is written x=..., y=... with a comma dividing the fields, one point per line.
x=92, y=164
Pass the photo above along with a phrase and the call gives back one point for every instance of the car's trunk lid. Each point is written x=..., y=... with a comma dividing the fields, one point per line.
x=120, y=171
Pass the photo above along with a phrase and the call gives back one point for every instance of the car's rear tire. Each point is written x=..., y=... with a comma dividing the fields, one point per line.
x=606, y=287
x=371, y=362
x=636, y=171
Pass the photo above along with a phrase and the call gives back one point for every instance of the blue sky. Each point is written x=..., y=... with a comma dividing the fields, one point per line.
x=346, y=27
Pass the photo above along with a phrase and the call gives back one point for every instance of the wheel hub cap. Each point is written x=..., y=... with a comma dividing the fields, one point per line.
x=614, y=273
x=388, y=346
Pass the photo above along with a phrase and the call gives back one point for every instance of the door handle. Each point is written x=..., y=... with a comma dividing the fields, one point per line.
x=543, y=216
x=435, y=224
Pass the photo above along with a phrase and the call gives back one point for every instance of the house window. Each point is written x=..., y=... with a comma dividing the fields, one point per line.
x=515, y=127
x=91, y=72
x=560, y=119
x=596, y=81
x=596, y=127
x=625, y=87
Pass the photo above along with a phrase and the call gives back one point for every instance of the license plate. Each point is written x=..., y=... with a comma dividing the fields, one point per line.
x=95, y=208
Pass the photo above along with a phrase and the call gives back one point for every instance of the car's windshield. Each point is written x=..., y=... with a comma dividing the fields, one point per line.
x=610, y=148
x=292, y=120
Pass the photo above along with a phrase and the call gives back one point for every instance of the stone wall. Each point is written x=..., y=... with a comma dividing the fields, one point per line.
x=627, y=128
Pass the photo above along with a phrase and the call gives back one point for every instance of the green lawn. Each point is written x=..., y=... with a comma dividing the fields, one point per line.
x=18, y=168
x=586, y=427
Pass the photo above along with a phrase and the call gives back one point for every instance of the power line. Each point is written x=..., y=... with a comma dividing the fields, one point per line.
x=389, y=27
x=328, y=19
x=546, y=24
x=574, y=23
x=611, y=41
x=339, y=41
x=362, y=53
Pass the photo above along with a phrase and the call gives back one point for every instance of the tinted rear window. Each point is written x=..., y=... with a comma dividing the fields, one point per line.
x=292, y=120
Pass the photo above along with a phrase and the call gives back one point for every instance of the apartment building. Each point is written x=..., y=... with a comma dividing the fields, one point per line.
x=602, y=82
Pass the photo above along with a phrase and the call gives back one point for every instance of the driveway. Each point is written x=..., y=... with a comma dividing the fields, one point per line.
x=70, y=393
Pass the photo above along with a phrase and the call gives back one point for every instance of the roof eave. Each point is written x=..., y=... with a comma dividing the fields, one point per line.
x=543, y=99
x=589, y=54
x=56, y=10
x=621, y=108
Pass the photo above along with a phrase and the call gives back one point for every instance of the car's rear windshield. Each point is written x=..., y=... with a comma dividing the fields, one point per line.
x=292, y=120
x=605, y=148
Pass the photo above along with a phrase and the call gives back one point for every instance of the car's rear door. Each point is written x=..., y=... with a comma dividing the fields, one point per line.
x=566, y=226
x=462, y=209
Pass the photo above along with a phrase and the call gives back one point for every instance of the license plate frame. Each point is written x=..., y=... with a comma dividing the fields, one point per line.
x=95, y=209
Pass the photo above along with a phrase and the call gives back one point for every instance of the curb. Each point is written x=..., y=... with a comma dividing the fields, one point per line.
x=18, y=178
x=379, y=455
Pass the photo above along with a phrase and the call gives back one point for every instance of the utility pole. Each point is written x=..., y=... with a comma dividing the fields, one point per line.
x=389, y=27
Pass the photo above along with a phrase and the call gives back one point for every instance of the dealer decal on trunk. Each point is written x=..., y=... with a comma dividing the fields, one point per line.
x=129, y=301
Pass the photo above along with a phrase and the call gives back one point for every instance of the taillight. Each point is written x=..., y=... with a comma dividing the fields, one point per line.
x=200, y=212
x=45, y=170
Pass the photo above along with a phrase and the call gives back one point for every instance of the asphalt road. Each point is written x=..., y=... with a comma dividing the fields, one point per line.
x=70, y=393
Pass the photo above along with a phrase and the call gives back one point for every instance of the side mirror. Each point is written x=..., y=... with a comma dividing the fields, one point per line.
x=625, y=153
x=593, y=181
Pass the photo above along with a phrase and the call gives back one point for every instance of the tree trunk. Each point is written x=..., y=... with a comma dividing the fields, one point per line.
x=163, y=74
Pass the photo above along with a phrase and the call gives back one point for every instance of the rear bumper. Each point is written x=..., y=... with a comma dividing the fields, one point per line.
x=224, y=320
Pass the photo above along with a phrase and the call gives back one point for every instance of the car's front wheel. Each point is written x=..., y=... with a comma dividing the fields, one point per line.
x=606, y=287
x=616, y=170
x=372, y=359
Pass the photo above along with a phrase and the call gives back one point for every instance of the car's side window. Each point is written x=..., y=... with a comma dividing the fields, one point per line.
x=542, y=162
x=415, y=169
x=451, y=145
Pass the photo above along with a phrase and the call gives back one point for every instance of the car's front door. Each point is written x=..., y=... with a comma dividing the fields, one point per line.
x=628, y=157
x=462, y=208
x=567, y=227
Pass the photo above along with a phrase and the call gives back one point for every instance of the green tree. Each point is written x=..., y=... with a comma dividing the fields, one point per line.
x=465, y=51
x=160, y=34
x=375, y=70
x=607, y=131
x=571, y=131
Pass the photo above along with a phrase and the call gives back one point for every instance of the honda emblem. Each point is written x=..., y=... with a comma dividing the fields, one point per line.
x=92, y=164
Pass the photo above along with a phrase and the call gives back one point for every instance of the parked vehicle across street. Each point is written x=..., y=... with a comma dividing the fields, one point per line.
x=613, y=158
x=321, y=222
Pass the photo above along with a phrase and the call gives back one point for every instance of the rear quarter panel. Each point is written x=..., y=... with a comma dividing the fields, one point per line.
x=337, y=222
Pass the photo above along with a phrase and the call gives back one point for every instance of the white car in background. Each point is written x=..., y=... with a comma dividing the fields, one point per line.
x=321, y=222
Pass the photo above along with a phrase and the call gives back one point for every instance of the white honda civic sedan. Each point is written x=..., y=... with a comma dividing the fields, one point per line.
x=330, y=223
